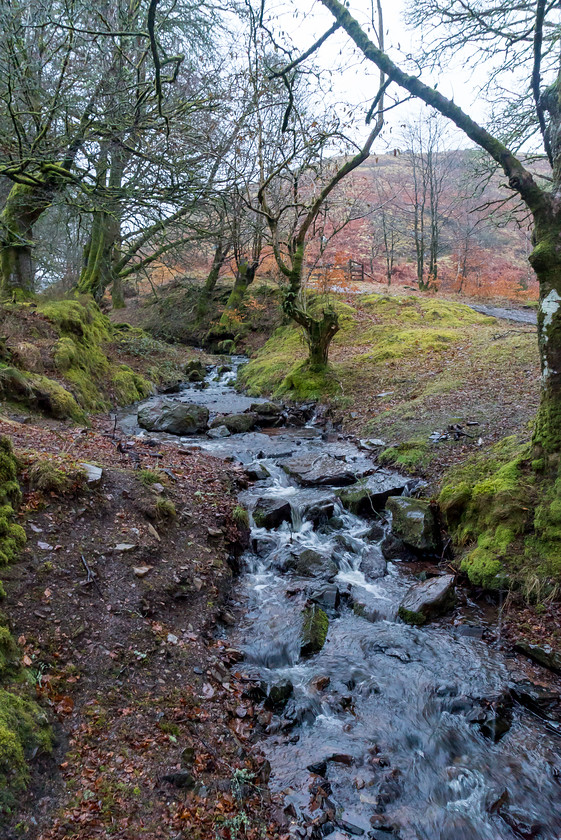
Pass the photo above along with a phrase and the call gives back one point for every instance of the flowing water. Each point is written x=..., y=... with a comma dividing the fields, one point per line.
x=388, y=716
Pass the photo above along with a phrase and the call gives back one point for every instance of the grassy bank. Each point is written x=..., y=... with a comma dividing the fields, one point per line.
x=403, y=368
x=65, y=359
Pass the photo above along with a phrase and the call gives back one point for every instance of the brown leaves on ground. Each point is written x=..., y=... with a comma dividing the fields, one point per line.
x=123, y=663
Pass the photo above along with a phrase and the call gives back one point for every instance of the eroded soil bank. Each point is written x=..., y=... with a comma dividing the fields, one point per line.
x=115, y=601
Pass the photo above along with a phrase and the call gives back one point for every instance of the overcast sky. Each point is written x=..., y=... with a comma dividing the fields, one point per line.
x=305, y=20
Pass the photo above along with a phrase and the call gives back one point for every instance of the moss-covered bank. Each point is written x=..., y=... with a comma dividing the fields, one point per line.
x=72, y=361
x=24, y=730
x=504, y=514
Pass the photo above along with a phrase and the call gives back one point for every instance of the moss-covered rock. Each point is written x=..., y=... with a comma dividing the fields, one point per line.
x=314, y=630
x=487, y=505
x=53, y=399
x=428, y=599
x=24, y=728
x=409, y=455
x=12, y=535
x=414, y=522
x=56, y=474
x=236, y=423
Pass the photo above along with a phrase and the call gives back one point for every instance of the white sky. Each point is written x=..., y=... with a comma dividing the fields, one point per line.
x=305, y=20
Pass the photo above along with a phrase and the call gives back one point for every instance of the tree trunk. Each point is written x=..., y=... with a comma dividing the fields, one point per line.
x=319, y=331
x=101, y=252
x=244, y=277
x=546, y=262
x=24, y=206
x=220, y=255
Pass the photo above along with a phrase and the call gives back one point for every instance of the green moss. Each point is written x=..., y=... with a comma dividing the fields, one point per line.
x=410, y=617
x=24, y=731
x=165, y=509
x=266, y=372
x=149, y=477
x=241, y=517
x=12, y=536
x=80, y=317
x=56, y=474
x=411, y=455
x=55, y=400
x=390, y=343
x=487, y=505
x=314, y=630
x=130, y=387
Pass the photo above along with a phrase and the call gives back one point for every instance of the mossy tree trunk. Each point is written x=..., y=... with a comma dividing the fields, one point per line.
x=24, y=206
x=245, y=276
x=101, y=253
x=546, y=261
x=220, y=255
x=319, y=330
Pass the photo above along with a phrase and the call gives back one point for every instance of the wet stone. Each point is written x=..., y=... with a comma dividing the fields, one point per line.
x=315, y=470
x=395, y=549
x=414, y=522
x=427, y=600
x=176, y=418
x=319, y=512
x=370, y=494
x=542, y=654
x=278, y=694
x=373, y=564
x=538, y=699
x=314, y=630
x=328, y=597
x=218, y=432
x=307, y=562
x=256, y=472
x=236, y=423
x=270, y=513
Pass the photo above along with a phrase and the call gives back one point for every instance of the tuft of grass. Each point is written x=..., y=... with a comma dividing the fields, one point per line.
x=56, y=474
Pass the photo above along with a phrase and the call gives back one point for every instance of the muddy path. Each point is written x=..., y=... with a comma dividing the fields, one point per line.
x=381, y=729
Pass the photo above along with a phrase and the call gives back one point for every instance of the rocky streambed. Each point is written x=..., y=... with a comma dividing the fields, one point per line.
x=382, y=709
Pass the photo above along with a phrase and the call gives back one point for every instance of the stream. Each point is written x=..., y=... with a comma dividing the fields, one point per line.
x=390, y=730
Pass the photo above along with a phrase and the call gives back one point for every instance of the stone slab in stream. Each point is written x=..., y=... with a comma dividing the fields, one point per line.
x=310, y=563
x=172, y=416
x=313, y=470
x=236, y=423
x=269, y=513
x=370, y=494
x=414, y=521
x=427, y=600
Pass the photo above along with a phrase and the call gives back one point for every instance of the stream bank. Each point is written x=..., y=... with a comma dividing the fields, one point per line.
x=374, y=728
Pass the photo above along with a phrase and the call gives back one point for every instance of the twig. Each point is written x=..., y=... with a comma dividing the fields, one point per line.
x=91, y=577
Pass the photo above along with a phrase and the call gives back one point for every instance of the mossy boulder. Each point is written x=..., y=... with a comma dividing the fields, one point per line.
x=308, y=562
x=236, y=423
x=488, y=504
x=370, y=494
x=314, y=630
x=12, y=535
x=428, y=599
x=176, y=418
x=270, y=513
x=414, y=521
x=56, y=474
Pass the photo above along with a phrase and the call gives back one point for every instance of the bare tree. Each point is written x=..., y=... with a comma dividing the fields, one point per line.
x=529, y=34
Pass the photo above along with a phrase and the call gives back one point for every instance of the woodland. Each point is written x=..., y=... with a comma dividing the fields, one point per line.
x=281, y=195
